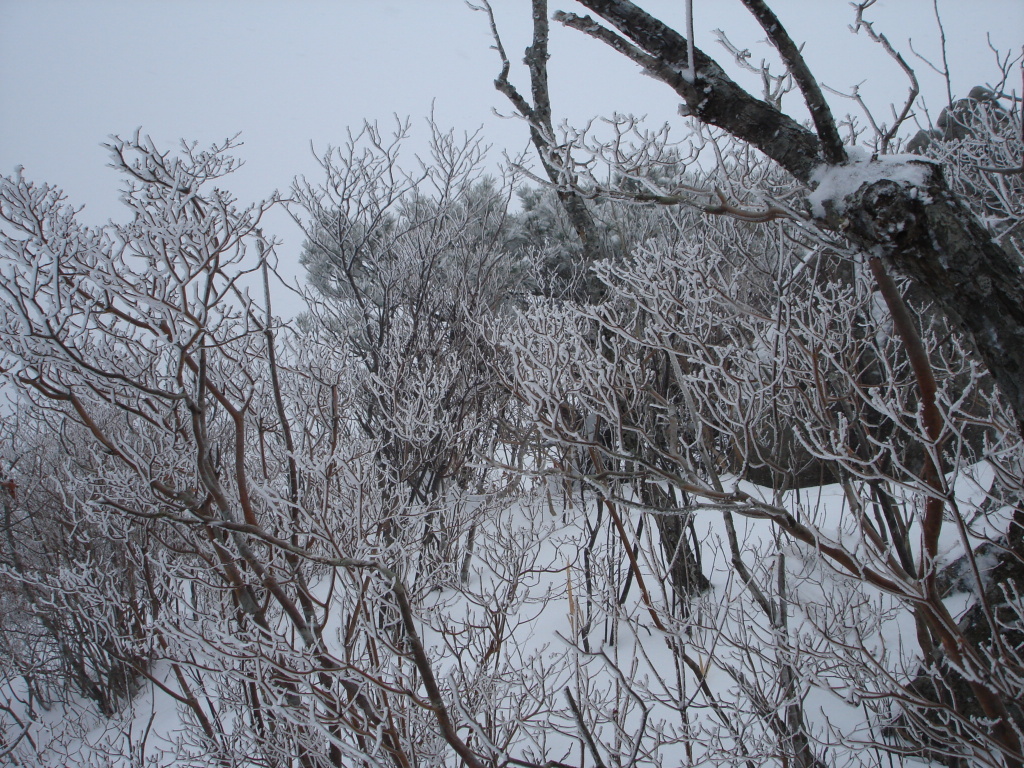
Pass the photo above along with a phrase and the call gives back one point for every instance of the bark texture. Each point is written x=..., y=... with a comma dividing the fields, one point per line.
x=542, y=132
x=924, y=229
x=932, y=237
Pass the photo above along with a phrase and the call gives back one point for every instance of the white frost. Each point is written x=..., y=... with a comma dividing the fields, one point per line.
x=837, y=182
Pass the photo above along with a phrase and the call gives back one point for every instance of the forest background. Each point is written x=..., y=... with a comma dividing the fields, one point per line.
x=693, y=454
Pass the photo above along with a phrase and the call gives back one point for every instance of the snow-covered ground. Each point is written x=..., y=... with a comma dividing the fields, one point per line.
x=526, y=635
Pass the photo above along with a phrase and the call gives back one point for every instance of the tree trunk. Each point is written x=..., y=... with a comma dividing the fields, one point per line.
x=927, y=233
x=914, y=221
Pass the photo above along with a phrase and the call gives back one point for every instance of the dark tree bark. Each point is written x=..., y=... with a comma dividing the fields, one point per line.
x=685, y=572
x=932, y=238
x=922, y=228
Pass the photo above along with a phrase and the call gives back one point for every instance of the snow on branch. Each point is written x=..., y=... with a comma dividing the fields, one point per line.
x=833, y=184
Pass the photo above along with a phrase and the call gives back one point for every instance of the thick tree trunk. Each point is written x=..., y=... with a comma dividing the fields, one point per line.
x=927, y=233
x=931, y=237
x=913, y=220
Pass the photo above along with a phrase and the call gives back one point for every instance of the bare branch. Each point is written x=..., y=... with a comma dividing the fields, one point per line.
x=828, y=134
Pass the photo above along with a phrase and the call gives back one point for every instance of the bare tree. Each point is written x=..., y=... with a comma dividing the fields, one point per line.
x=924, y=229
x=287, y=502
x=350, y=539
x=900, y=210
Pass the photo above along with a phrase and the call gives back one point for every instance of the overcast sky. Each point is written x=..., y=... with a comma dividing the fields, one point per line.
x=291, y=74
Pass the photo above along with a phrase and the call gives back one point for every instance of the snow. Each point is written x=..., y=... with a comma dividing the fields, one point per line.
x=728, y=635
x=835, y=183
x=72, y=733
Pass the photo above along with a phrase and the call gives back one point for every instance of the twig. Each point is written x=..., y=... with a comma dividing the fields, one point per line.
x=584, y=730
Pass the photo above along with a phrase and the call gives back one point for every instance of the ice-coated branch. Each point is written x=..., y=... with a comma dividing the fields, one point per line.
x=538, y=114
x=924, y=229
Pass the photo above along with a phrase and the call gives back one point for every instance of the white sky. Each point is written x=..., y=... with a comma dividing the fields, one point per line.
x=288, y=74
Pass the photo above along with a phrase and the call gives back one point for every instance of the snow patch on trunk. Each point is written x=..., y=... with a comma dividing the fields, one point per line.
x=838, y=182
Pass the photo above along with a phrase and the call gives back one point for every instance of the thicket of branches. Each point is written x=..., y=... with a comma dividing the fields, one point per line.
x=666, y=465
